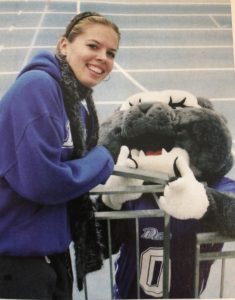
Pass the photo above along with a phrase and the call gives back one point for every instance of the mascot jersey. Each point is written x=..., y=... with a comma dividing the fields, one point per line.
x=182, y=247
x=37, y=179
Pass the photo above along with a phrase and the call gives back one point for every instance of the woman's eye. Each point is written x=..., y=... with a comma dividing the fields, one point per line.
x=92, y=46
x=111, y=54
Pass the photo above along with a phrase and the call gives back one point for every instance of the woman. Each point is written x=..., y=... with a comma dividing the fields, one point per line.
x=50, y=160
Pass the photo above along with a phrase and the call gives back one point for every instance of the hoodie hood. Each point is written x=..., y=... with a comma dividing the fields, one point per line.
x=44, y=61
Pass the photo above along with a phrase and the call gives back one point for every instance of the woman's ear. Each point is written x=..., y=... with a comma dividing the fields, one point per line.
x=62, y=45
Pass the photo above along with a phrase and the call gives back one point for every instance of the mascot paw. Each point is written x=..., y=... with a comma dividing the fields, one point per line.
x=184, y=198
x=115, y=201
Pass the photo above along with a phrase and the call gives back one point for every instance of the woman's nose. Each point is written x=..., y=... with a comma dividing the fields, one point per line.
x=102, y=55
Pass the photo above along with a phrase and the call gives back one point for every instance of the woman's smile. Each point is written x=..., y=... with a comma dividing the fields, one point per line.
x=91, y=54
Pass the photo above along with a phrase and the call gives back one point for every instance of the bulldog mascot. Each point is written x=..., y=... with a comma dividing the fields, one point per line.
x=176, y=133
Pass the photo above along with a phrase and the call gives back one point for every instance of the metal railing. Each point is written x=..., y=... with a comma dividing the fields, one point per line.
x=211, y=238
x=137, y=215
x=158, y=181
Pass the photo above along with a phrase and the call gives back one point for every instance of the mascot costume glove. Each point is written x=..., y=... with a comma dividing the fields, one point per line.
x=185, y=197
x=115, y=201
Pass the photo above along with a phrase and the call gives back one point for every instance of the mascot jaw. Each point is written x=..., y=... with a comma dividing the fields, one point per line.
x=151, y=144
x=158, y=152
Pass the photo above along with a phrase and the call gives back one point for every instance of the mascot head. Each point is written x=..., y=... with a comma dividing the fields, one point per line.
x=158, y=121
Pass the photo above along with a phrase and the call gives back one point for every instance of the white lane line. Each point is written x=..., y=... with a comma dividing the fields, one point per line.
x=130, y=78
x=126, y=72
x=124, y=29
x=233, y=149
x=176, y=29
x=166, y=14
x=177, y=47
x=31, y=28
x=35, y=13
x=222, y=99
x=131, y=47
x=26, y=47
x=176, y=70
x=11, y=28
x=9, y=73
x=73, y=1
x=34, y=37
x=123, y=14
x=233, y=152
x=214, y=21
x=159, y=3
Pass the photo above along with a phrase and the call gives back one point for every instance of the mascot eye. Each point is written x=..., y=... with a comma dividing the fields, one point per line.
x=135, y=102
x=175, y=105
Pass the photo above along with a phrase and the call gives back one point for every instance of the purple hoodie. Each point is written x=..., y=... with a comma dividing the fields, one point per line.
x=37, y=176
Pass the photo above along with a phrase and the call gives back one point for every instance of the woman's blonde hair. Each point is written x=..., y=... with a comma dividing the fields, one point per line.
x=79, y=22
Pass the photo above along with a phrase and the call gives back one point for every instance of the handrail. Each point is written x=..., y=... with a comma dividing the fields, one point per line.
x=159, y=180
x=211, y=238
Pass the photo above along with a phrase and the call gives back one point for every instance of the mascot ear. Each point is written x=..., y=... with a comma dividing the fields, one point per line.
x=205, y=103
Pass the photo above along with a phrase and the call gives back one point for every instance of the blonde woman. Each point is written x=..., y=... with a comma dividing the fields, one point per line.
x=50, y=160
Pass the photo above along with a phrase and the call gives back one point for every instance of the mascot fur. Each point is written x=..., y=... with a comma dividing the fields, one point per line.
x=176, y=133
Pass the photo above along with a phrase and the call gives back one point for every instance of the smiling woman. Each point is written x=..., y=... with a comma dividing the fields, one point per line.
x=49, y=162
x=90, y=48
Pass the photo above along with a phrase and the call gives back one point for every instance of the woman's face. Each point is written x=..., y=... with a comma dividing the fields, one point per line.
x=91, y=54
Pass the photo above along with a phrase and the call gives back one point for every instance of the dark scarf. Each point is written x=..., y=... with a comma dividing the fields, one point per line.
x=84, y=229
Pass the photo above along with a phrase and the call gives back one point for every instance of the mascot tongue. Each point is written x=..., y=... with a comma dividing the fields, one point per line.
x=157, y=152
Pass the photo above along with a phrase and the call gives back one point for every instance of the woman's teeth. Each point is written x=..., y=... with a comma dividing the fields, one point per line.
x=95, y=69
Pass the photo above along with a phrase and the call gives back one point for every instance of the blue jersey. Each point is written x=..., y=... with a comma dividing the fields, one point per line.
x=151, y=234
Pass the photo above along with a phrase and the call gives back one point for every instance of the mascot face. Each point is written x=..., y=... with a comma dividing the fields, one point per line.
x=153, y=121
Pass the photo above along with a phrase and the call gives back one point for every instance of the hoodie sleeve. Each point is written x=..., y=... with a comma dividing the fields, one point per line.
x=35, y=169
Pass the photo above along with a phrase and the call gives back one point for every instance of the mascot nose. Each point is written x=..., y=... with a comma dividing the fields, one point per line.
x=144, y=107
